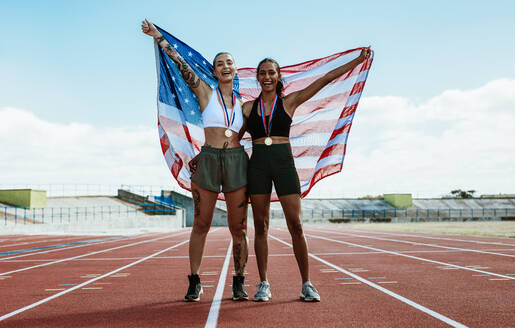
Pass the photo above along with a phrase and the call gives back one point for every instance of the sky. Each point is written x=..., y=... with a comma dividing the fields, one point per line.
x=78, y=87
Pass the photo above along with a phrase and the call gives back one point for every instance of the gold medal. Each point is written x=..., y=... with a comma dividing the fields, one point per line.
x=268, y=129
x=229, y=119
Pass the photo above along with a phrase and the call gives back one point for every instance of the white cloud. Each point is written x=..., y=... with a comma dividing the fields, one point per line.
x=36, y=151
x=459, y=139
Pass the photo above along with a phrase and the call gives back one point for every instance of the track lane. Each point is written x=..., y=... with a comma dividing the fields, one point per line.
x=151, y=295
x=466, y=296
x=417, y=243
x=33, y=305
x=338, y=307
x=463, y=239
x=337, y=239
x=405, y=300
x=44, y=242
x=6, y=258
x=67, y=253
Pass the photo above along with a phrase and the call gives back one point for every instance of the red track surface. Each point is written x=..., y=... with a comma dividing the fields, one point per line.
x=365, y=279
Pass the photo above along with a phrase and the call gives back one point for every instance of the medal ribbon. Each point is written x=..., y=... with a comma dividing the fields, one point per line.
x=269, y=130
x=228, y=122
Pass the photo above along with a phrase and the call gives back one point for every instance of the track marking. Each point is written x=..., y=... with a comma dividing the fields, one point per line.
x=417, y=306
x=376, y=277
x=33, y=305
x=40, y=241
x=80, y=242
x=410, y=256
x=387, y=282
x=212, y=319
x=91, y=275
x=350, y=283
x=421, y=244
x=432, y=237
x=477, y=267
x=498, y=279
x=65, y=248
x=82, y=245
x=83, y=255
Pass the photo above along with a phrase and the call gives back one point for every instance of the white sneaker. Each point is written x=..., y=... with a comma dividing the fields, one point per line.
x=263, y=294
x=309, y=293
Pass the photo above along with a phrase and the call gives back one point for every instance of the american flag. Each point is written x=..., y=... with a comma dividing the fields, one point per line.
x=320, y=126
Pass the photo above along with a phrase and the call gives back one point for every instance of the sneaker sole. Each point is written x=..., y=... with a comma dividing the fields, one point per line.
x=241, y=298
x=189, y=299
x=262, y=299
x=309, y=299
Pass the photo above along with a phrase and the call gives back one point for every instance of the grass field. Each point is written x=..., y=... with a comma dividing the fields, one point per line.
x=491, y=228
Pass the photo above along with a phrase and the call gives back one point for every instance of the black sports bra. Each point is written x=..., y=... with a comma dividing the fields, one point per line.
x=280, y=121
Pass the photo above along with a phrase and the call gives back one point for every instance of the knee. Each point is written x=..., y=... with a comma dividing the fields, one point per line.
x=201, y=227
x=296, y=229
x=238, y=230
x=261, y=228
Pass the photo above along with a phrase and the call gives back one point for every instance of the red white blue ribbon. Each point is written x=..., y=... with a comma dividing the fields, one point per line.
x=228, y=122
x=262, y=107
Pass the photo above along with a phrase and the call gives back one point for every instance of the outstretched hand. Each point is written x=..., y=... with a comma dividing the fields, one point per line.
x=365, y=53
x=149, y=29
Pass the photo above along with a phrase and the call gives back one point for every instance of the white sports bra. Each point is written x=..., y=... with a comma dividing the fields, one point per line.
x=213, y=114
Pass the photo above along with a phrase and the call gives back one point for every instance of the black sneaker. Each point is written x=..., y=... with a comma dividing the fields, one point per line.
x=238, y=292
x=194, y=290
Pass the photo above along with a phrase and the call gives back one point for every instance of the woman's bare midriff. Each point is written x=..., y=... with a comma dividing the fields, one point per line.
x=215, y=137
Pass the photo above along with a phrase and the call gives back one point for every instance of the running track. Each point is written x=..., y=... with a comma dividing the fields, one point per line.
x=365, y=279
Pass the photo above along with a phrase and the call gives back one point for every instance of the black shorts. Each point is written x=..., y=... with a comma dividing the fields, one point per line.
x=275, y=164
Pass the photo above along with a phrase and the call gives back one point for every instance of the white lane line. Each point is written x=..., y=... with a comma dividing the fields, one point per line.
x=417, y=306
x=33, y=305
x=83, y=255
x=433, y=237
x=82, y=245
x=40, y=241
x=420, y=244
x=410, y=256
x=212, y=319
x=65, y=248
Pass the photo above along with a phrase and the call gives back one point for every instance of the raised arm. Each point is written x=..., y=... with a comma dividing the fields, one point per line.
x=295, y=99
x=198, y=86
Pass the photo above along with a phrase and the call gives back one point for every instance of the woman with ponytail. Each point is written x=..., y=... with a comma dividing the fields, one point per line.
x=268, y=119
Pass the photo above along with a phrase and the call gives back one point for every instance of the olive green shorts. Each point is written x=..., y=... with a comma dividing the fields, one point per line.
x=221, y=169
x=275, y=164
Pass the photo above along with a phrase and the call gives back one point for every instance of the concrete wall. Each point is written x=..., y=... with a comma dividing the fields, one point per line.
x=23, y=197
x=113, y=226
x=399, y=200
x=219, y=217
